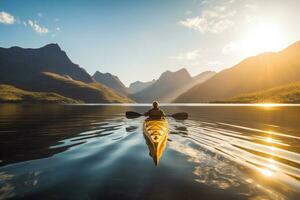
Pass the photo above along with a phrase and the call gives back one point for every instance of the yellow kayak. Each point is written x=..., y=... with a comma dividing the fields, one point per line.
x=156, y=133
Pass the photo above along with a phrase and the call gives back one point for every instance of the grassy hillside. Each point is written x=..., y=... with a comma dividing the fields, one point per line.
x=254, y=74
x=86, y=92
x=11, y=94
x=289, y=93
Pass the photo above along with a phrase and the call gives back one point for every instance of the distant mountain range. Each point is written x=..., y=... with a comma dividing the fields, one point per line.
x=165, y=89
x=253, y=74
x=138, y=86
x=170, y=85
x=47, y=75
x=48, y=69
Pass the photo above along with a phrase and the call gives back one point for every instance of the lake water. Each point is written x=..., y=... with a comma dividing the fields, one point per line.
x=94, y=152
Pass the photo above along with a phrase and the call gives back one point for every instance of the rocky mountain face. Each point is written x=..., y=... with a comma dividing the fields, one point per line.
x=19, y=64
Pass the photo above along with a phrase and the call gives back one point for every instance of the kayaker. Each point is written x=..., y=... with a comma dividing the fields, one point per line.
x=155, y=112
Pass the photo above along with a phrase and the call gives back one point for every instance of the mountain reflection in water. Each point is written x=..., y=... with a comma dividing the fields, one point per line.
x=94, y=152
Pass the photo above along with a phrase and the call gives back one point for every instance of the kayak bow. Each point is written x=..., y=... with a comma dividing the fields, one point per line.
x=156, y=133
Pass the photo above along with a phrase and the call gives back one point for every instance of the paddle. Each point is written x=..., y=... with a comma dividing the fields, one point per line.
x=181, y=115
x=132, y=114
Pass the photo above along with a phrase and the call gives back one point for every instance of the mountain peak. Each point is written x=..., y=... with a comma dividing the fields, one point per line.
x=182, y=70
x=182, y=73
x=98, y=73
x=52, y=46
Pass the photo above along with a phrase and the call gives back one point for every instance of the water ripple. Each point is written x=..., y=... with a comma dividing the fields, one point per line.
x=266, y=156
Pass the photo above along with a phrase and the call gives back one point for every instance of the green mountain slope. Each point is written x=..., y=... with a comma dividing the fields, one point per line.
x=289, y=93
x=11, y=94
x=86, y=92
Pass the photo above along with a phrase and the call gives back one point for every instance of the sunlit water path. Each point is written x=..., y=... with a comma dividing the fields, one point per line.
x=94, y=152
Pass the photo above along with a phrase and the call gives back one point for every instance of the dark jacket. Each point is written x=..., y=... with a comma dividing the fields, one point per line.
x=155, y=113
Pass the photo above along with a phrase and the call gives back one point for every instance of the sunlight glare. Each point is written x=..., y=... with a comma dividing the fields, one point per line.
x=272, y=166
x=270, y=140
x=263, y=38
x=266, y=172
x=267, y=105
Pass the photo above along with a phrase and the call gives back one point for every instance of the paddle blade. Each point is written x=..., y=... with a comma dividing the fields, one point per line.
x=132, y=114
x=181, y=116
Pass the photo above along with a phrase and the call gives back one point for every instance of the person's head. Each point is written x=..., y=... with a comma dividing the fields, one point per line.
x=155, y=104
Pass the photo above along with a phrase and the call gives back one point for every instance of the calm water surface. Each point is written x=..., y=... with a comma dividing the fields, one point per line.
x=94, y=152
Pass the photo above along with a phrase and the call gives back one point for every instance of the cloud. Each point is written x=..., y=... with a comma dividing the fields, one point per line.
x=187, y=56
x=58, y=29
x=231, y=47
x=214, y=21
x=40, y=14
x=230, y=1
x=37, y=28
x=6, y=18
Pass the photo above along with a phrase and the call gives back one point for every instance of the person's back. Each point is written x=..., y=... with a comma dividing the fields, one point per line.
x=155, y=112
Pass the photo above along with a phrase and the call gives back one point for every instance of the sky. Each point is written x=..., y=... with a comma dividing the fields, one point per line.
x=138, y=40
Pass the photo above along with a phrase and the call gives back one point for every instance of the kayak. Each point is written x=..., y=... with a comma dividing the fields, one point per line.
x=156, y=133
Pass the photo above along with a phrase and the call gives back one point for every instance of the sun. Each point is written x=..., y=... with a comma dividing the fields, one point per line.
x=263, y=38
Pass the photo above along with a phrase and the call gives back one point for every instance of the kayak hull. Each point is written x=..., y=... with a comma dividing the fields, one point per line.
x=156, y=133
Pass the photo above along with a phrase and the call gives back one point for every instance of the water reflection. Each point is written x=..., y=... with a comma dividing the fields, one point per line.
x=156, y=152
x=241, y=151
x=32, y=129
x=7, y=189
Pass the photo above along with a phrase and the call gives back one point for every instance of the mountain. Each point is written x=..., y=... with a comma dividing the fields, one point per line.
x=139, y=86
x=289, y=93
x=19, y=64
x=168, y=86
x=110, y=81
x=48, y=69
x=11, y=94
x=253, y=74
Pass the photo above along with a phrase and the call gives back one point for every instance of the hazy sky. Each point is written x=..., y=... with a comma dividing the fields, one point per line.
x=138, y=40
